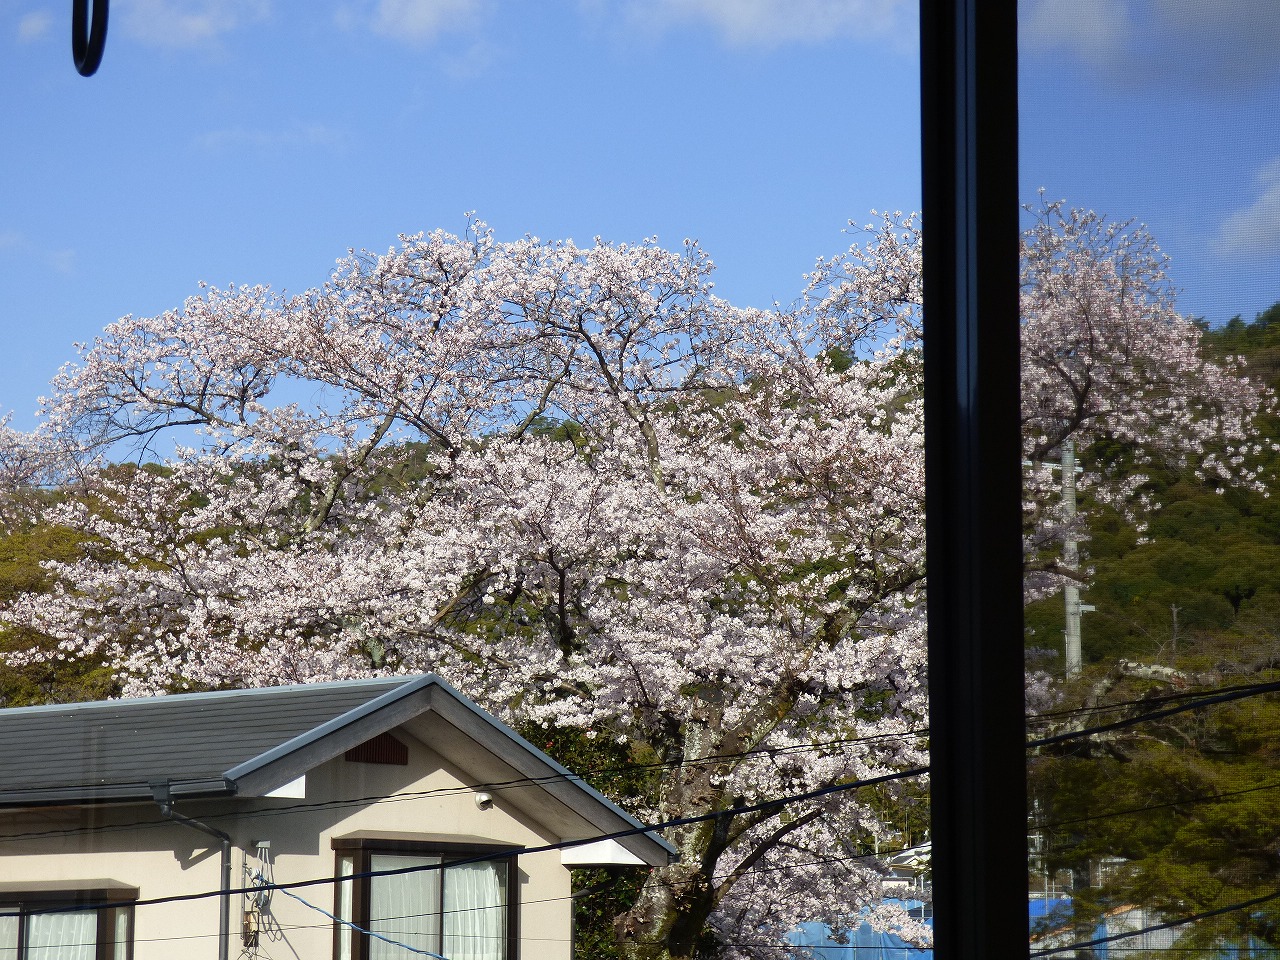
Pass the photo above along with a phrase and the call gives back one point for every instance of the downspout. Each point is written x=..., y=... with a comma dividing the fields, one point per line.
x=164, y=799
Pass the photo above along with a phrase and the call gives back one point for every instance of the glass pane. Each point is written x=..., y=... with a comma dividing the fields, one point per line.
x=343, y=908
x=475, y=911
x=403, y=908
x=121, y=919
x=9, y=936
x=62, y=936
x=1150, y=167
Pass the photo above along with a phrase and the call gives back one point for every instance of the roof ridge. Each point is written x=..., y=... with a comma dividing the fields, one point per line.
x=87, y=705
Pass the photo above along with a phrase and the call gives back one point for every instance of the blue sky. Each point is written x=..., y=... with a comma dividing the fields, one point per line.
x=1167, y=112
x=254, y=141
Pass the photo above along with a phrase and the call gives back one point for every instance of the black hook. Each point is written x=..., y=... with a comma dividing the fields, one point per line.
x=88, y=39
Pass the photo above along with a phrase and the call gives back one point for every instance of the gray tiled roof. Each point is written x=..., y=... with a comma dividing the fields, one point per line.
x=245, y=743
x=113, y=748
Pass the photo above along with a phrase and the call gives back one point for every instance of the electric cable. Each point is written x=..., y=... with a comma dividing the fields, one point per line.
x=1188, y=802
x=1262, y=688
x=540, y=900
x=777, y=803
x=494, y=787
x=88, y=35
x=360, y=929
x=1167, y=925
x=1204, y=698
x=1197, y=701
x=1239, y=693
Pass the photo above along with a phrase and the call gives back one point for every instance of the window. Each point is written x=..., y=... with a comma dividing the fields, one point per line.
x=1156, y=113
x=459, y=906
x=55, y=926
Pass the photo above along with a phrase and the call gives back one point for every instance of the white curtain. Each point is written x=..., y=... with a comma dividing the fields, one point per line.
x=475, y=912
x=62, y=936
x=405, y=908
x=9, y=936
x=122, y=919
x=346, y=867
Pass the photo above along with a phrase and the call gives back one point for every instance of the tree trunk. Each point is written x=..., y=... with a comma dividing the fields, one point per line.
x=670, y=916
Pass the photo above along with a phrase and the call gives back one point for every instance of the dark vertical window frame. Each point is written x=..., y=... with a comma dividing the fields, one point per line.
x=112, y=922
x=972, y=479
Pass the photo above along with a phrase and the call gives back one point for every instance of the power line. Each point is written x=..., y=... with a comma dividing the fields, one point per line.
x=1198, y=700
x=777, y=803
x=1201, y=698
x=1217, y=950
x=669, y=884
x=1167, y=925
x=1264, y=687
x=1189, y=801
x=523, y=901
x=494, y=787
x=359, y=929
x=1237, y=693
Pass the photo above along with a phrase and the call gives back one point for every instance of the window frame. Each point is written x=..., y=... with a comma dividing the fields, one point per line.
x=969, y=167
x=111, y=906
x=363, y=849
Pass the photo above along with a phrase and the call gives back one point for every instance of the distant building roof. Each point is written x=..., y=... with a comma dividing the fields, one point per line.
x=246, y=743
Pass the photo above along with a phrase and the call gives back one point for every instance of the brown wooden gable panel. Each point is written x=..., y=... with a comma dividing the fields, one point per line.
x=384, y=748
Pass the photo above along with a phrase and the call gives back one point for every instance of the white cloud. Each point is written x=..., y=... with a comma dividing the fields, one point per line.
x=1229, y=41
x=469, y=62
x=1219, y=45
x=17, y=244
x=1254, y=231
x=187, y=23
x=33, y=26
x=775, y=22
x=1244, y=24
x=1095, y=31
x=297, y=136
x=61, y=261
x=420, y=21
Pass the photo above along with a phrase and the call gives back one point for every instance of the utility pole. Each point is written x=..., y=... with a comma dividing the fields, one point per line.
x=1071, y=558
x=1071, y=561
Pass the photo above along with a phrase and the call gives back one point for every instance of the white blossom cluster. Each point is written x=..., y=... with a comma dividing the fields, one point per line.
x=592, y=495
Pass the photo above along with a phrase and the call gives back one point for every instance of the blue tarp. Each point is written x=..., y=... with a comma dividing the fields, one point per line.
x=864, y=942
x=1039, y=908
x=868, y=944
x=1043, y=913
x=1046, y=914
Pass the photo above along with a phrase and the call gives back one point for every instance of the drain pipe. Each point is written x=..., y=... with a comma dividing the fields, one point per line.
x=164, y=799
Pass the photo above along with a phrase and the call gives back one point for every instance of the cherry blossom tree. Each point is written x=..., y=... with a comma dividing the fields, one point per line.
x=1106, y=354
x=573, y=482
x=594, y=496
x=1107, y=357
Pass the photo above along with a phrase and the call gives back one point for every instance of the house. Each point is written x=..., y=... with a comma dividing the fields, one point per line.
x=415, y=819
